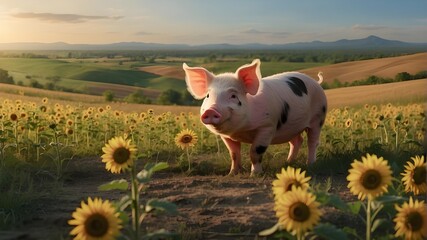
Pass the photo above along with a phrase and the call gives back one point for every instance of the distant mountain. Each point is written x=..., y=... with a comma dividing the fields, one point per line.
x=371, y=42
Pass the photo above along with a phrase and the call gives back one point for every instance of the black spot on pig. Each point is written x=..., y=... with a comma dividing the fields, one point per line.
x=297, y=86
x=260, y=149
x=283, y=115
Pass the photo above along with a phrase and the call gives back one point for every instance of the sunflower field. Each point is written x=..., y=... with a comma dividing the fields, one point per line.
x=38, y=140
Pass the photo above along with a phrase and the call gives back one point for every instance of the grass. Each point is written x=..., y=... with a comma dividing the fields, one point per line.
x=76, y=75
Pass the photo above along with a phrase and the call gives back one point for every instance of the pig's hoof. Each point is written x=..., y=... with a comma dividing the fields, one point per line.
x=234, y=172
x=255, y=174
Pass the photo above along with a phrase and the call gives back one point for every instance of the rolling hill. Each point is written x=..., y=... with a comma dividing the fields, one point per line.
x=344, y=72
x=383, y=67
x=95, y=78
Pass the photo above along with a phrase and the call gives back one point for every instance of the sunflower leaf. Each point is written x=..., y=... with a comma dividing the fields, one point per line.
x=355, y=207
x=121, y=184
x=329, y=231
x=269, y=231
x=156, y=167
x=161, y=205
x=386, y=199
x=331, y=200
x=377, y=223
x=144, y=176
x=160, y=234
x=124, y=202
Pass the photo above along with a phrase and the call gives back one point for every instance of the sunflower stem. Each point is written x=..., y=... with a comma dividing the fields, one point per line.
x=135, y=203
x=300, y=236
x=188, y=159
x=368, y=220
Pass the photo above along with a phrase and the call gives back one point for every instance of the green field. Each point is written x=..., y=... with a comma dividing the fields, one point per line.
x=267, y=68
x=77, y=74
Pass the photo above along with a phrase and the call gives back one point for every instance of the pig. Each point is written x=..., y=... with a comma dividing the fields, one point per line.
x=243, y=107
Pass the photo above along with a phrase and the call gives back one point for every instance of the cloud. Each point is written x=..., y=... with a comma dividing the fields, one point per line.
x=256, y=32
x=62, y=18
x=142, y=33
x=253, y=31
x=368, y=27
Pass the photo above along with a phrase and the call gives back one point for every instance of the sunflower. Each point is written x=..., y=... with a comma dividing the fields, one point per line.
x=95, y=220
x=288, y=178
x=13, y=117
x=370, y=178
x=297, y=210
x=69, y=131
x=186, y=138
x=348, y=123
x=411, y=220
x=414, y=177
x=118, y=154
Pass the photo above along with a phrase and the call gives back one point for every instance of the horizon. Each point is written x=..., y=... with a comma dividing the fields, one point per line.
x=195, y=45
x=193, y=22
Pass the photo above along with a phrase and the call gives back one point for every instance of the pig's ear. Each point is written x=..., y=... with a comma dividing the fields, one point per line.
x=198, y=80
x=250, y=75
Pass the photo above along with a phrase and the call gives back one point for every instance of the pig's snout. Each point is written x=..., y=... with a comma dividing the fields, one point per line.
x=211, y=116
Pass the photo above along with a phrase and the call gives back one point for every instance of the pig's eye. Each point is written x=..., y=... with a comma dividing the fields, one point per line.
x=233, y=96
x=207, y=96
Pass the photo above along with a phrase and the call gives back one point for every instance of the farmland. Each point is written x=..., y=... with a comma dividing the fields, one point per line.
x=50, y=153
x=123, y=75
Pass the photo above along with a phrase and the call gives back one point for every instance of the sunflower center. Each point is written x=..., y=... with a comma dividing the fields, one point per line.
x=121, y=155
x=371, y=179
x=299, y=212
x=186, y=138
x=96, y=225
x=414, y=221
x=420, y=175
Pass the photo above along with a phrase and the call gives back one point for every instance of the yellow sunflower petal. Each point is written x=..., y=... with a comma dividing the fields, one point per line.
x=369, y=177
x=95, y=220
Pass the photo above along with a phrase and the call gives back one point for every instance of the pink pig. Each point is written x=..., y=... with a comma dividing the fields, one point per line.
x=243, y=107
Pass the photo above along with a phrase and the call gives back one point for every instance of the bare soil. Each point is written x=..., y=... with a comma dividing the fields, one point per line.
x=167, y=71
x=210, y=207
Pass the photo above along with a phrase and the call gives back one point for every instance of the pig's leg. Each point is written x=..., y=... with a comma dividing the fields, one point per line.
x=258, y=148
x=234, y=149
x=313, y=135
x=294, y=146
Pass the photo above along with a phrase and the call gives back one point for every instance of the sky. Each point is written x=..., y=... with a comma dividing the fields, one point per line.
x=197, y=22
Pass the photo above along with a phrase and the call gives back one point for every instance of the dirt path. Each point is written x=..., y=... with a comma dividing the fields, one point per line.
x=210, y=207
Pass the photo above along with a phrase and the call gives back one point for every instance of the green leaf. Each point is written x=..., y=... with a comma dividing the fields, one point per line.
x=329, y=231
x=144, y=176
x=377, y=223
x=161, y=234
x=124, y=202
x=351, y=231
x=159, y=166
x=121, y=184
x=386, y=199
x=354, y=207
x=270, y=231
x=331, y=200
x=161, y=205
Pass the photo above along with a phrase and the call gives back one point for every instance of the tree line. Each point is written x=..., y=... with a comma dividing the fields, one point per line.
x=373, y=80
